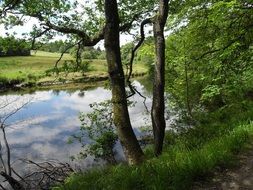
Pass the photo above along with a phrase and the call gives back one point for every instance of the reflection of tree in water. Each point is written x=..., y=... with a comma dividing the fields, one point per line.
x=56, y=92
x=147, y=82
x=8, y=108
x=81, y=94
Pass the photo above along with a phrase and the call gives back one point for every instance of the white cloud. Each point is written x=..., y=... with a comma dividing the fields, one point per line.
x=53, y=118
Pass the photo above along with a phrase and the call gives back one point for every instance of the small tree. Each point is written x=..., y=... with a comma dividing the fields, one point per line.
x=98, y=126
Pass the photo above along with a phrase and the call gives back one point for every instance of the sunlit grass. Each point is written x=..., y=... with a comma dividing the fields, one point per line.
x=22, y=66
x=34, y=67
x=176, y=169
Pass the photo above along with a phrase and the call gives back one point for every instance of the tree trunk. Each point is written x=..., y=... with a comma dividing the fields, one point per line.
x=121, y=118
x=157, y=112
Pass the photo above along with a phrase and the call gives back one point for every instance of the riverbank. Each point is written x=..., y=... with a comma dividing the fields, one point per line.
x=182, y=163
x=41, y=130
x=239, y=176
x=37, y=70
x=58, y=83
x=191, y=155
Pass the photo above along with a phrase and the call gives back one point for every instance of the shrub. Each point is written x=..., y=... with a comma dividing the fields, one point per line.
x=98, y=126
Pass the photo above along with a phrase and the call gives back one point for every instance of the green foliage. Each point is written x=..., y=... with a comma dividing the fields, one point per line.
x=57, y=46
x=177, y=168
x=88, y=53
x=7, y=83
x=69, y=66
x=209, y=56
x=67, y=14
x=126, y=53
x=98, y=126
x=40, y=68
x=9, y=46
x=144, y=55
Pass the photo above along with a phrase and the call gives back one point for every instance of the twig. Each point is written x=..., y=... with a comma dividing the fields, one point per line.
x=143, y=23
x=8, y=169
x=134, y=91
x=14, y=112
x=10, y=5
x=56, y=63
x=130, y=66
x=1, y=158
x=2, y=187
x=13, y=182
x=37, y=36
x=17, y=174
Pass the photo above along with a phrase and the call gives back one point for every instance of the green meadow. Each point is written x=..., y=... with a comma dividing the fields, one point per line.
x=35, y=68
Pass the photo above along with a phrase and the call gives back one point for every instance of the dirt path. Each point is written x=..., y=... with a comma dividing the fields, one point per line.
x=238, y=178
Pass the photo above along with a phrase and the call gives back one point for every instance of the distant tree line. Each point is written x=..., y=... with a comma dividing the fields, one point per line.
x=60, y=46
x=57, y=46
x=10, y=46
x=89, y=53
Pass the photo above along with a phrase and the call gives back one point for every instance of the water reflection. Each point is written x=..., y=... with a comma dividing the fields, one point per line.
x=41, y=130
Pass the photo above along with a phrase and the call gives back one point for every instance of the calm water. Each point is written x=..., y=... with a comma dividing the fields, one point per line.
x=40, y=130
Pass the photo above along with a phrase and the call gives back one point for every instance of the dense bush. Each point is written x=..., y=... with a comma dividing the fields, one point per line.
x=9, y=46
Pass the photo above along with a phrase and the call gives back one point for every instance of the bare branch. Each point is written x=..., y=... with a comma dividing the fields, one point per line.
x=143, y=23
x=78, y=54
x=10, y=5
x=130, y=65
x=8, y=169
x=17, y=174
x=2, y=187
x=13, y=113
x=67, y=48
x=37, y=36
x=7, y=173
x=7, y=103
x=87, y=40
x=134, y=91
x=1, y=159
x=13, y=182
x=46, y=173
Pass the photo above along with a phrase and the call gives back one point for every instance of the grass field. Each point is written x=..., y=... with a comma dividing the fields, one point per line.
x=34, y=67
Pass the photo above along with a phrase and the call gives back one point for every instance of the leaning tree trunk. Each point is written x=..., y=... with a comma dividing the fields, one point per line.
x=121, y=118
x=157, y=112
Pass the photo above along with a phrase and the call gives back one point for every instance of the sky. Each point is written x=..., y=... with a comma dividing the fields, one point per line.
x=19, y=30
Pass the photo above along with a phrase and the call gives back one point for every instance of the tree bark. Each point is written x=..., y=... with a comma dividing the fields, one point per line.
x=157, y=112
x=121, y=118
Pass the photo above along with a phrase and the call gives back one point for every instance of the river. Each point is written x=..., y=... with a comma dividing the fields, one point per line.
x=41, y=129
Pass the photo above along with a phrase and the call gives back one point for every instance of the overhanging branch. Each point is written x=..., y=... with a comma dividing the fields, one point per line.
x=137, y=46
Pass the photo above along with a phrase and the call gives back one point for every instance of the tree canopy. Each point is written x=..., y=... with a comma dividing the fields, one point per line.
x=210, y=54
